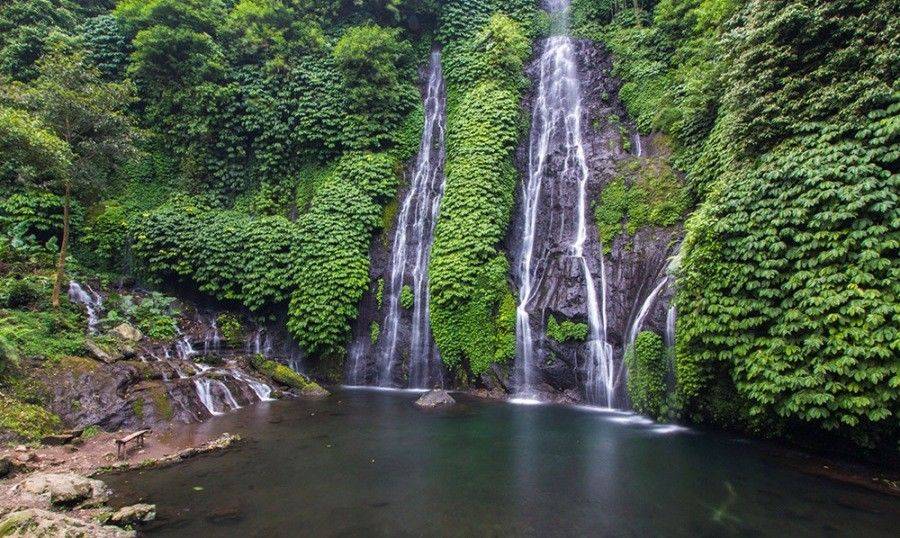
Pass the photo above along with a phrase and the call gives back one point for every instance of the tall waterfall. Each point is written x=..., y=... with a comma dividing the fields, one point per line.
x=556, y=152
x=412, y=244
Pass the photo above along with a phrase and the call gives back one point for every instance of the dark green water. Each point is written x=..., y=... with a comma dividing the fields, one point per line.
x=365, y=463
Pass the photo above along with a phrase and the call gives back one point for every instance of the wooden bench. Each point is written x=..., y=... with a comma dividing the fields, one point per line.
x=122, y=444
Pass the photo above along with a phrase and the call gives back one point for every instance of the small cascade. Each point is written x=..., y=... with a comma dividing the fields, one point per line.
x=212, y=339
x=262, y=391
x=638, y=320
x=206, y=392
x=259, y=344
x=638, y=150
x=356, y=375
x=91, y=301
x=184, y=350
x=412, y=248
x=670, y=328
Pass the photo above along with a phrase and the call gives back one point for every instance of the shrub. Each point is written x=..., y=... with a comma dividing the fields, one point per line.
x=647, y=369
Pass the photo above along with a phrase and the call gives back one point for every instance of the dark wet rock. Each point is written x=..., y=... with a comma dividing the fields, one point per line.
x=36, y=523
x=131, y=515
x=5, y=466
x=97, y=352
x=435, y=398
x=633, y=265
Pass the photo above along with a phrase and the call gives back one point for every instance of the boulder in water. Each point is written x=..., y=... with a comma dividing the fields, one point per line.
x=36, y=523
x=136, y=513
x=435, y=398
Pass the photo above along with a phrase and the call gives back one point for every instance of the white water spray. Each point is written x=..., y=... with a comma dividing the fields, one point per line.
x=91, y=300
x=556, y=125
x=412, y=243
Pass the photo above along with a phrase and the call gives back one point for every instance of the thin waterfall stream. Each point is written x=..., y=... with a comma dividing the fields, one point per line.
x=412, y=248
x=556, y=143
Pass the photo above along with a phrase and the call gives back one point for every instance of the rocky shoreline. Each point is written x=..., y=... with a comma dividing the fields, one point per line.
x=55, y=490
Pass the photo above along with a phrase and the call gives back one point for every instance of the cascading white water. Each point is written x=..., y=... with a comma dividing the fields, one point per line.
x=638, y=320
x=412, y=244
x=212, y=340
x=262, y=391
x=91, y=301
x=638, y=150
x=670, y=327
x=556, y=133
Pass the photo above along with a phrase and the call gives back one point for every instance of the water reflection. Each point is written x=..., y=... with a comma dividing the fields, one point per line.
x=370, y=463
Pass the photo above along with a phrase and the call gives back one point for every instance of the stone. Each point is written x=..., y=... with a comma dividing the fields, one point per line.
x=126, y=331
x=21, y=448
x=435, y=398
x=58, y=439
x=66, y=488
x=97, y=352
x=37, y=523
x=313, y=391
x=5, y=466
x=136, y=513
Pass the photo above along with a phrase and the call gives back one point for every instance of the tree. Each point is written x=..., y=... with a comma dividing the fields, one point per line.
x=73, y=103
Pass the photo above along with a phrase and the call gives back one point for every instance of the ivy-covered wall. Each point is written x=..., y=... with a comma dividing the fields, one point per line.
x=783, y=118
x=485, y=47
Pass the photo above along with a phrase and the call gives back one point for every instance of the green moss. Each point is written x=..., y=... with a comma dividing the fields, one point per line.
x=379, y=292
x=387, y=221
x=374, y=332
x=566, y=331
x=29, y=421
x=283, y=375
x=406, y=297
x=646, y=192
x=137, y=406
x=161, y=402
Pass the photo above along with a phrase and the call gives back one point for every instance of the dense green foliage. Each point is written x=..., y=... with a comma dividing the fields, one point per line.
x=647, y=369
x=468, y=271
x=645, y=193
x=332, y=259
x=566, y=330
x=783, y=116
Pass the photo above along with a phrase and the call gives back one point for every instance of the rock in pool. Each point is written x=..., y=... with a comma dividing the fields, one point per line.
x=435, y=398
x=136, y=513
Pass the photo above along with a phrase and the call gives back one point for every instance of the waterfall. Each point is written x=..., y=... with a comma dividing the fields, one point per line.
x=91, y=301
x=262, y=391
x=412, y=244
x=670, y=328
x=212, y=339
x=638, y=151
x=638, y=320
x=205, y=388
x=556, y=133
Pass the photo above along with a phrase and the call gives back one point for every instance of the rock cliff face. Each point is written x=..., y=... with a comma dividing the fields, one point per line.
x=634, y=265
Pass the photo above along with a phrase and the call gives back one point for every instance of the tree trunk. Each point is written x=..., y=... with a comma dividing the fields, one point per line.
x=637, y=12
x=63, y=246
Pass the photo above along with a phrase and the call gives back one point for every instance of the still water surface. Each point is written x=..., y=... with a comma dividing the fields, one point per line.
x=368, y=463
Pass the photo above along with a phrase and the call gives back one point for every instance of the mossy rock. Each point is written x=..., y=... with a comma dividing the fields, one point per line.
x=283, y=375
x=27, y=421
